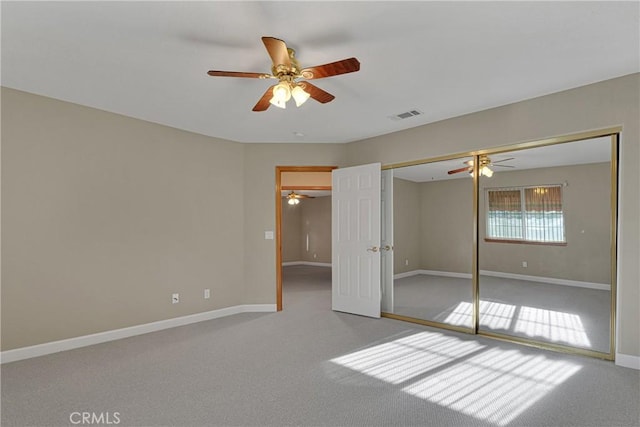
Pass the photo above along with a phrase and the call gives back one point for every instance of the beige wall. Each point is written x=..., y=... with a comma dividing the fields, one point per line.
x=310, y=217
x=259, y=196
x=291, y=229
x=316, y=223
x=446, y=209
x=443, y=220
x=586, y=201
x=406, y=226
x=104, y=217
x=613, y=102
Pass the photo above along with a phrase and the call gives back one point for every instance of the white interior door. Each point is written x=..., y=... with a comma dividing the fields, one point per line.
x=355, y=233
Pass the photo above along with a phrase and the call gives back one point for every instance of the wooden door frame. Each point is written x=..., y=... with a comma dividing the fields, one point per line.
x=279, y=188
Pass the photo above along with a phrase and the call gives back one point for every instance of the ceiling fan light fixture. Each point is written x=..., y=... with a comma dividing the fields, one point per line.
x=293, y=198
x=483, y=166
x=278, y=102
x=285, y=68
x=281, y=94
x=299, y=95
x=486, y=172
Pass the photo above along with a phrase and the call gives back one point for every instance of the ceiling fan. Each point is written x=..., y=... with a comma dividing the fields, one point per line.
x=484, y=169
x=287, y=71
x=294, y=199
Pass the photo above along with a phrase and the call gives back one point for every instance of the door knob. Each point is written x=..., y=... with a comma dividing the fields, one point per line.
x=387, y=248
x=373, y=249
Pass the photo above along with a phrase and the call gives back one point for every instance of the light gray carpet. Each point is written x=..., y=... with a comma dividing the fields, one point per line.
x=309, y=366
x=567, y=315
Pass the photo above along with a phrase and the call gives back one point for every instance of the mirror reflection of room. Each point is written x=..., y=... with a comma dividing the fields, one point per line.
x=545, y=219
x=545, y=245
x=433, y=242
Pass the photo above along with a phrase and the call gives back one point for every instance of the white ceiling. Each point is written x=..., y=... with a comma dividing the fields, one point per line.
x=595, y=150
x=312, y=193
x=149, y=60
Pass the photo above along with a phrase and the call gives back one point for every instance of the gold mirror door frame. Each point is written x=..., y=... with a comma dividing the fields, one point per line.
x=555, y=290
x=505, y=151
x=433, y=244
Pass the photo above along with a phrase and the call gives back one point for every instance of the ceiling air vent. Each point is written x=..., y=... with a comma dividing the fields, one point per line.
x=406, y=115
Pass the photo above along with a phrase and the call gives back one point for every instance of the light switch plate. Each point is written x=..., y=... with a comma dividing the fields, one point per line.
x=268, y=235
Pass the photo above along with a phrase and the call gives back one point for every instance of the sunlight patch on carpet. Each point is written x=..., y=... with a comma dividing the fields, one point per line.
x=552, y=325
x=492, y=385
x=549, y=325
x=402, y=359
x=493, y=315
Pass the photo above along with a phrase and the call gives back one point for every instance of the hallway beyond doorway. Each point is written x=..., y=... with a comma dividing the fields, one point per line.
x=306, y=286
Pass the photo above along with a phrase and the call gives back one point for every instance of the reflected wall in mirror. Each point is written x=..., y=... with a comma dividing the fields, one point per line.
x=432, y=243
x=545, y=231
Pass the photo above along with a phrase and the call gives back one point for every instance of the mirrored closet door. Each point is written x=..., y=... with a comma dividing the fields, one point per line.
x=524, y=252
x=546, y=232
x=433, y=241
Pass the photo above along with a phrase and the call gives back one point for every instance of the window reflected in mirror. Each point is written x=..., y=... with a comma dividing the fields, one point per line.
x=545, y=235
x=546, y=243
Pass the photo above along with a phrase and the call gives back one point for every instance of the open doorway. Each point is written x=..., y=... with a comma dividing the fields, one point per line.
x=304, y=180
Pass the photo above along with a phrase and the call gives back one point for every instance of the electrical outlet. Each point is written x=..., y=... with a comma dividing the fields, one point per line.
x=524, y=264
x=175, y=298
x=406, y=262
x=207, y=294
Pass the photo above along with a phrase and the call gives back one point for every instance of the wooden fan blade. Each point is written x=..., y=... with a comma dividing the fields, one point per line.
x=264, y=103
x=294, y=195
x=503, y=166
x=316, y=93
x=215, y=73
x=277, y=51
x=503, y=160
x=333, y=69
x=451, y=172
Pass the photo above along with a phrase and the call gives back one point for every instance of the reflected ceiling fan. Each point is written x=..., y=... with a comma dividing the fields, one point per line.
x=484, y=169
x=294, y=199
x=287, y=71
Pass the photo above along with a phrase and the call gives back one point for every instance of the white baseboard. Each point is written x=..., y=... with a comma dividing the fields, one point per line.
x=432, y=273
x=628, y=361
x=551, y=280
x=317, y=264
x=116, y=334
x=406, y=274
x=446, y=274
